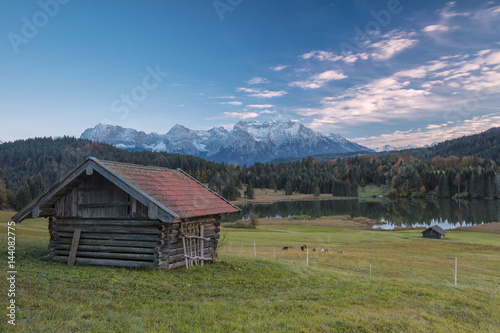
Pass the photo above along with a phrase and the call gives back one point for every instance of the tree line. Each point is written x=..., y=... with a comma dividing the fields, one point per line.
x=28, y=167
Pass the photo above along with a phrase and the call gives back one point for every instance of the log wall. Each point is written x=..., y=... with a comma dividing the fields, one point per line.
x=170, y=250
x=127, y=243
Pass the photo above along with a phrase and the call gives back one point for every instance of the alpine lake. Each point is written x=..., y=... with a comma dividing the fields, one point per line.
x=392, y=212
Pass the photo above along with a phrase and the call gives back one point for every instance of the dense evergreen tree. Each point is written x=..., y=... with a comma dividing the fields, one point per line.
x=249, y=192
x=28, y=166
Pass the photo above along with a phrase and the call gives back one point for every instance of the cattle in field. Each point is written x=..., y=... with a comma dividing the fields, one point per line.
x=284, y=248
x=314, y=250
x=303, y=248
x=341, y=251
x=324, y=250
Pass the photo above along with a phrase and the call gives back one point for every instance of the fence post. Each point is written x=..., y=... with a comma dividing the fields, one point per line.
x=456, y=271
x=254, y=249
x=241, y=253
x=370, y=269
x=307, y=258
x=274, y=250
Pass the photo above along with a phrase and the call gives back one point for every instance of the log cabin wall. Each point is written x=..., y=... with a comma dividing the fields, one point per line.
x=170, y=252
x=115, y=229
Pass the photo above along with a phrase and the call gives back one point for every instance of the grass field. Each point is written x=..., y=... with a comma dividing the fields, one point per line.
x=410, y=287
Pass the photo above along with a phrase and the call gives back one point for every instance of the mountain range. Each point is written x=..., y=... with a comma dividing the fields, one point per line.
x=246, y=143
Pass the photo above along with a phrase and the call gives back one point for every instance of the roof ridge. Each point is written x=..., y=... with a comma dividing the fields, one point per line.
x=133, y=164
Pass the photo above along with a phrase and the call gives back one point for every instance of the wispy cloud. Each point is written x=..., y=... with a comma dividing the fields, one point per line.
x=448, y=12
x=319, y=80
x=262, y=93
x=278, y=68
x=241, y=115
x=260, y=106
x=433, y=133
x=436, y=28
x=382, y=47
x=391, y=44
x=223, y=97
x=258, y=80
x=232, y=103
x=437, y=89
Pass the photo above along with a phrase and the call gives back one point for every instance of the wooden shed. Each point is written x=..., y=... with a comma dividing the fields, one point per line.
x=434, y=232
x=117, y=214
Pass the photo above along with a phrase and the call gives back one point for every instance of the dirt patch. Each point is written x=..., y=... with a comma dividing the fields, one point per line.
x=491, y=228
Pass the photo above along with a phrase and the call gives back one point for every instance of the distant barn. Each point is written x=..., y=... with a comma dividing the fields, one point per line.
x=434, y=232
x=117, y=214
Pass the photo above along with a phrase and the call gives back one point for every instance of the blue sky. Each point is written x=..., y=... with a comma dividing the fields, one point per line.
x=376, y=72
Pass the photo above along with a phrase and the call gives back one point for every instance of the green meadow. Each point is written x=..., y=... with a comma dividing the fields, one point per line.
x=385, y=281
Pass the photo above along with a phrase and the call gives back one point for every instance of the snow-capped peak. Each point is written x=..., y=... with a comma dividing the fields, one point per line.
x=247, y=142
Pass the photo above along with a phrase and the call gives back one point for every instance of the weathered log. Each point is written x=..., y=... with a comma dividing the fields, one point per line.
x=102, y=222
x=180, y=256
x=217, y=223
x=217, y=229
x=109, y=255
x=108, y=262
x=165, y=265
x=74, y=247
x=110, y=242
x=169, y=252
x=106, y=229
x=91, y=235
x=163, y=235
x=175, y=250
x=102, y=248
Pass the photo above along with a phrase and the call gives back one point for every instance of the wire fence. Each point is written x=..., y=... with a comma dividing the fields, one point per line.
x=464, y=268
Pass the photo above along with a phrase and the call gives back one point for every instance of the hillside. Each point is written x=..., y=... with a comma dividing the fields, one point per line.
x=482, y=145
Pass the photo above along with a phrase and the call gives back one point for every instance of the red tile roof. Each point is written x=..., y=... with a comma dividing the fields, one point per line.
x=172, y=188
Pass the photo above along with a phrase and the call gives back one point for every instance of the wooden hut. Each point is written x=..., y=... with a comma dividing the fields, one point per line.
x=434, y=232
x=117, y=214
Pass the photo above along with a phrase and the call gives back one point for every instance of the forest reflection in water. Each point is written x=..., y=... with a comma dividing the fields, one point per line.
x=447, y=213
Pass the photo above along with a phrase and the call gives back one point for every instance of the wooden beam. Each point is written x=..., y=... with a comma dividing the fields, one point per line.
x=74, y=247
x=153, y=211
x=104, y=205
x=35, y=212
x=108, y=262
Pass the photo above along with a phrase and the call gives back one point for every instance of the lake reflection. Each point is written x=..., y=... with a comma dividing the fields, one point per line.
x=447, y=213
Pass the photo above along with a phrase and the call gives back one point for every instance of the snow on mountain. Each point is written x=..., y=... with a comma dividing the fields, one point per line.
x=393, y=148
x=247, y=142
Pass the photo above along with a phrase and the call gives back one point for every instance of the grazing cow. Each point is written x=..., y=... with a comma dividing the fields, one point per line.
x=303, y=248
x=314, y=250
x=341, y=251
x=324, y=250
x=284, y=248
